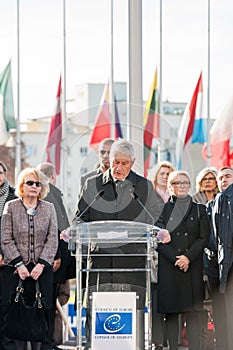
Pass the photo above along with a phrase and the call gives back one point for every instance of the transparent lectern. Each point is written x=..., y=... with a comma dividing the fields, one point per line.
x=118, y=258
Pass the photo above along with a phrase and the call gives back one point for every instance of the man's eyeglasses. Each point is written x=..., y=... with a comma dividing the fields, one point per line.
x=103, y=152
x=31, y=183
x=2, y=172
x=179, y=183
x=208, y=179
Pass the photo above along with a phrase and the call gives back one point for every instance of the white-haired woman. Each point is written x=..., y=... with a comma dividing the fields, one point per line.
x=180, y=267
x=206, y=186
x=29, y=242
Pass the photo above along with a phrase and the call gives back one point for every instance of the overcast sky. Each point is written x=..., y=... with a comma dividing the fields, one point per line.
x=88, y=48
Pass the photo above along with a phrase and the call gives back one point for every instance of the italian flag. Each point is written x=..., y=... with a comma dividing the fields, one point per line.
x=7, y=115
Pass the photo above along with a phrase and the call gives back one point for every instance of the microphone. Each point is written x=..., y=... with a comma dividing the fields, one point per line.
x=76, y=221
x=158, y=235
x=99, y=194
x=135, y=196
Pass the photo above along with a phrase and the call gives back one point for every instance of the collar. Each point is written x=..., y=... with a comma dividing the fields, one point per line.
x=165, y=195
x=228, y=191
x=132, y=177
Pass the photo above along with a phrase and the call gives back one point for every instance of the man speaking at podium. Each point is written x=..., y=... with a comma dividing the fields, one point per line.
x=119, y=194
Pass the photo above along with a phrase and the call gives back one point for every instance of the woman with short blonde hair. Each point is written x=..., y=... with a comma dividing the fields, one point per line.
x=29, y=242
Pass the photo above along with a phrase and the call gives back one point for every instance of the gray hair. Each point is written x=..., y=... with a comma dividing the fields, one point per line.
x=46, y=168
x=105, y=142
x=4, y=167
x=122, y=146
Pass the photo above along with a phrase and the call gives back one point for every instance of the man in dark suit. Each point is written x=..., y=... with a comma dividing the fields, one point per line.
x=223, y=232
x=117, y=202
x=118, y=189
x=63, y=258
x=104, y=162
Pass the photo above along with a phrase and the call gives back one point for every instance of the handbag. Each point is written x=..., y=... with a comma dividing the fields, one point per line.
x=25, y=322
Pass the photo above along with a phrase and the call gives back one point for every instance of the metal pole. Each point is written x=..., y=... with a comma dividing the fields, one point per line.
x=111, y=85
x=208, y=91
x=135, y=81
x=64, y=117
x=161, y=63
x=18, y=137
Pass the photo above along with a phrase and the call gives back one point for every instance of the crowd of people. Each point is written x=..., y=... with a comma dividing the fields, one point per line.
x=196, y=244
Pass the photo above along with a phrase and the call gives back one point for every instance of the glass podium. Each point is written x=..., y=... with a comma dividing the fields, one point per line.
x=115, y=256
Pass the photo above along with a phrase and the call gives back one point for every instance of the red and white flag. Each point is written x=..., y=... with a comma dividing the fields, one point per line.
x=53, y=148
x=102, y=128
x=220, y=136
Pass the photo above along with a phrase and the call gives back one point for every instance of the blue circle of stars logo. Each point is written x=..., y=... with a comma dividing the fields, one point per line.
x=112, y=324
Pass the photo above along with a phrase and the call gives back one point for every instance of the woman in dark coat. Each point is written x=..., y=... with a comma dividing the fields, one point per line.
x=180, y=266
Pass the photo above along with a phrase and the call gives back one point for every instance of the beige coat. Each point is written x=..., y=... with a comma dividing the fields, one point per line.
x=33, y=238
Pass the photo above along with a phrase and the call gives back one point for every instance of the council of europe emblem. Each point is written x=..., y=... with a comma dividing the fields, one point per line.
x=113, y=323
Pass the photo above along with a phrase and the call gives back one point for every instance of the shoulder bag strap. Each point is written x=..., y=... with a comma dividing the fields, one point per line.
x=19, y=289
x=38, y=294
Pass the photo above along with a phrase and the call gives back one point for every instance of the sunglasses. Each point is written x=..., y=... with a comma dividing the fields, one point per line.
x=31, y=183
x=103, y=152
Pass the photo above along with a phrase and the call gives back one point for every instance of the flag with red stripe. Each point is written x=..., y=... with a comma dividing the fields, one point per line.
x=53, y=148
x=102, y=128
x=151, y=122
x=220, y=135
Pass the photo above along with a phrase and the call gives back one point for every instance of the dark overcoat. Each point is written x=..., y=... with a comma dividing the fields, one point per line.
x=188, y=224
x=118, y=204
x=55, y=196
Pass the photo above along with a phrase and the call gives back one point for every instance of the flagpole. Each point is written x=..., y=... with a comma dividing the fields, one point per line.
x=18, y=138
x=111, y=87
x=160, y=72
x=64, y=116
x=135, y=103
x=208, y=90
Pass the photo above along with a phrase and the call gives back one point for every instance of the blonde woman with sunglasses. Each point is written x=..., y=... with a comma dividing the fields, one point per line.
x=29, y=242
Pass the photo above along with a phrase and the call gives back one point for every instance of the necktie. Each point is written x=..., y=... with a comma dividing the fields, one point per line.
x=118, y=183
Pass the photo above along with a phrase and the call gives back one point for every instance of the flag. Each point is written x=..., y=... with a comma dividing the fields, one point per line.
x=192, y=128
x=7, y=115
x=53, y=148
x=102, y=128
x=220, y=134
x=151, y=122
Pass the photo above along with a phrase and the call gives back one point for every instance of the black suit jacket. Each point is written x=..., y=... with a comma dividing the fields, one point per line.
x=118, y=205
